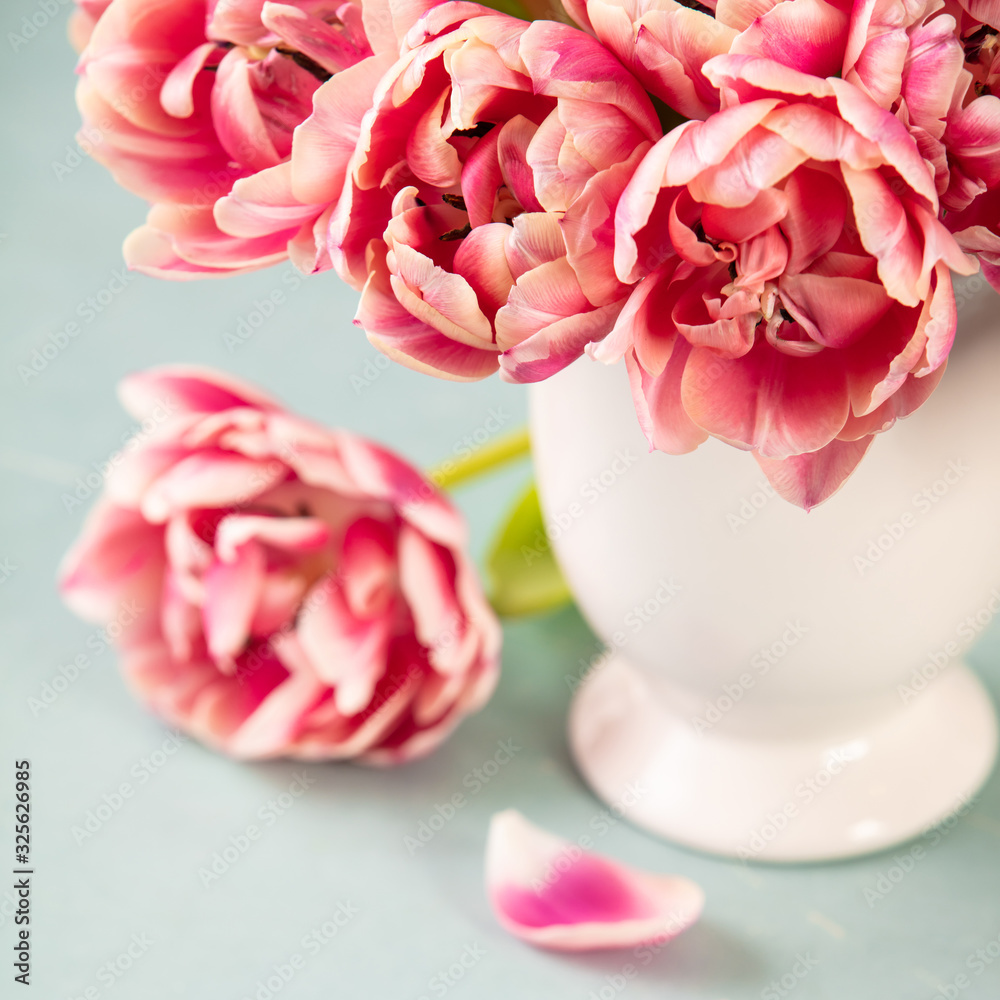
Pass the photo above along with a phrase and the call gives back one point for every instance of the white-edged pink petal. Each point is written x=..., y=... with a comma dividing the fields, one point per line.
x=550, y=892
x=232, y=590
x=190, y=388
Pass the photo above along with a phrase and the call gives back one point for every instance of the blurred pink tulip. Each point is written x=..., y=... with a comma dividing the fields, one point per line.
x=298, y=592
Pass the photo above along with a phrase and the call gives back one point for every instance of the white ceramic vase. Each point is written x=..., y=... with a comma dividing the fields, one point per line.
x=777, y=685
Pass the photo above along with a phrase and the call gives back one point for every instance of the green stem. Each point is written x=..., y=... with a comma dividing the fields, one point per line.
x=491, y=456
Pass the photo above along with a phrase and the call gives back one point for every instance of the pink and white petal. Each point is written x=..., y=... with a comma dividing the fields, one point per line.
x=156, y=165
x=382, y=475
x=878, y=67
x=239, y=123
x=426, y=579
x=293, y=535
x=985, y=11
x=263, y=204
x=589, y=229
x=807, y=35
x=641, y=326
x=759, y=160
x=209, y=479
x=885, y=232
x=707, y=319
x=180, y=619
x=767, y=400
x=331, y=735
x=816, y=210
x=810, y=479
x=348, y=654
x=910, y=395
x=274, y=725
x=189, y=388
x=324, y=143
x=550, y=893
x=737, y=225
x=973, y=139
x=367, y=569
x=879, y=126
x=176, y=94
x=117, y=557
x=180, y=243
x=752, y=78
x=740, y=14
x=232, y=592
x=558, y=57
x=539, y=298
x=554, y=347
x=666, y=49
x=189, y=555
x=839, y=311
x=279, y=602
x=397, y=333
x=481, y=178
x=658, y=404
x=535, y=238
x=481, y=261
x=442, y=300
x=689, y=150
x=327, y=46
x=513, y=142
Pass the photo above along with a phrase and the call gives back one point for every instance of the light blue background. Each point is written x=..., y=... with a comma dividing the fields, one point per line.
x=343, y=841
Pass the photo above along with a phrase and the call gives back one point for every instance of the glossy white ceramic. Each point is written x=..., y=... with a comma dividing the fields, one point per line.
x=775, y=684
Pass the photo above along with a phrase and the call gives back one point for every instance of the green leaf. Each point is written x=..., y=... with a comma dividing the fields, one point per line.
x=512, y=7
x=524, y=577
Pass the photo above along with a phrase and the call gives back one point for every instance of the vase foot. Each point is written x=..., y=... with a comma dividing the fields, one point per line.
x=850, y=791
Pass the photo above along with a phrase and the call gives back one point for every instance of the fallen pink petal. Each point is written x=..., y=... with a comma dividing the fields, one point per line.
x=553, y=894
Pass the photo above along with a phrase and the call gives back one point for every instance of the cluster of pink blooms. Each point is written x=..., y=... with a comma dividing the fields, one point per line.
x=759, y=204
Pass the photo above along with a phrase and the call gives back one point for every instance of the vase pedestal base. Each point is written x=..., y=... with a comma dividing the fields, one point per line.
x=850, y=789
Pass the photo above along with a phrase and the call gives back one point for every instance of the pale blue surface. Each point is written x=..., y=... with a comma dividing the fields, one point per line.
x=343, y=841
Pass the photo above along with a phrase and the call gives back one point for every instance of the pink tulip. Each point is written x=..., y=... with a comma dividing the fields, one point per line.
x=190, y=101
x=293, y=591
x=479, y=214
x=803, y=301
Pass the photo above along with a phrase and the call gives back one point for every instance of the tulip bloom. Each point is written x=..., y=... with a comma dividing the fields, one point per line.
x=803, y=301
x=301, y=592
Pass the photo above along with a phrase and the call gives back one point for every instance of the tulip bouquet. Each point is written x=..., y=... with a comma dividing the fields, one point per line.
x=759, y=206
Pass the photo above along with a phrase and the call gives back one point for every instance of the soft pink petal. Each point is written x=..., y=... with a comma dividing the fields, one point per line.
x=232, y=590
x=550, y=893
x=189, y=389
x=810, y=479
x=766, y=400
